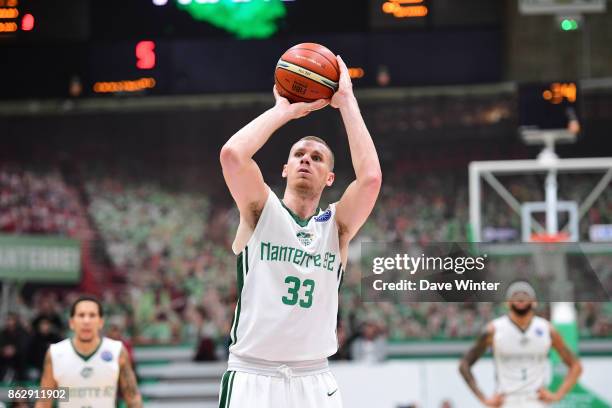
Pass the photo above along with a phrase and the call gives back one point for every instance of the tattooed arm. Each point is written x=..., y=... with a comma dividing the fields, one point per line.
x=127, y=381
x=484, y=341
x=47, y=380
x=575, y=369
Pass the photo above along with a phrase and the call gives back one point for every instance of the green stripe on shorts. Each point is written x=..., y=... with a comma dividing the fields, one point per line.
x=231, y=386
x=223, y=396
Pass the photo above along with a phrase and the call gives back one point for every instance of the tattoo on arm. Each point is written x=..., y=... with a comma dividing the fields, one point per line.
x=465, y=367
x=128, y=383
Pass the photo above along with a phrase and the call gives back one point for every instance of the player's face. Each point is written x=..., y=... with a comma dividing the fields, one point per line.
x=86, y=322
x=308, y=166
x=521, y=304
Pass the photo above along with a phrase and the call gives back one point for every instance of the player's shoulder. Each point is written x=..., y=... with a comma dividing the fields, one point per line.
x=115, y=345
x=542, y=325
x=499, y=322
x=58, y=350
x=63, y=344
x=327, y=214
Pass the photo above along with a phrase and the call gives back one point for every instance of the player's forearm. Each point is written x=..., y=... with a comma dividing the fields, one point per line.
x=247, y=141
x=466, y=372
x=570, y=379
x=363, y=152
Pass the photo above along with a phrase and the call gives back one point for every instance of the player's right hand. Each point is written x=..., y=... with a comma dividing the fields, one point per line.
x=298, y=109
x=497, y=400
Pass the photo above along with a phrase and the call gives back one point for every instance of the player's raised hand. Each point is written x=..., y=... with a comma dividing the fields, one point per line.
x=298, y=109
x=497, y=400
x=547, y=396
x=344, y=94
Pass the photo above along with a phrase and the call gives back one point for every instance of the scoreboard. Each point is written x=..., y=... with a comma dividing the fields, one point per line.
x=548, y=105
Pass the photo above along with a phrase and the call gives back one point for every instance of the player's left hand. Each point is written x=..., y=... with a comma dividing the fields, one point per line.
x=547, y=396
x=344, y=94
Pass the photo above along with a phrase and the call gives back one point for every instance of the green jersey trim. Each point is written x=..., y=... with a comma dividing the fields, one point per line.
x=523, y=331
x=299, y=221
x=83, y=356
x=242, y=268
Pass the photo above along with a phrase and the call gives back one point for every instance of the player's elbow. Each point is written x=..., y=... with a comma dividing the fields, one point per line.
x=464, y=367
x=229, y=158
x=372, y=180
x=577, y=365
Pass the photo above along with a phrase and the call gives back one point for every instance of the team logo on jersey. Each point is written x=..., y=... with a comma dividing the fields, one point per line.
x=106, y=355
x=539, y=332
x=304, y=237
x=323, y=217
x=86, y=372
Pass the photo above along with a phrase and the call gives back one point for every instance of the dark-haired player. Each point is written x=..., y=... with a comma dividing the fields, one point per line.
x=521, y=342
x=88, y=365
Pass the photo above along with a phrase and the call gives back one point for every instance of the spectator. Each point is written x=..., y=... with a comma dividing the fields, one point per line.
x=206, y=333
x=13, y=341
x=370, y=346
x=47, y=311
x=115, y=332
x=43, y=337
x=160, y=331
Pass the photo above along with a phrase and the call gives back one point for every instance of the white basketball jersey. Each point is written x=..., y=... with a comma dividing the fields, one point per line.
x=521, y=357
x=92, y=380
x=289, y=275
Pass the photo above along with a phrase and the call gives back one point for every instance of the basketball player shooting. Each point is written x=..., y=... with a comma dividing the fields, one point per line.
x=88, y=365
x=521, y=342
x=291, y=257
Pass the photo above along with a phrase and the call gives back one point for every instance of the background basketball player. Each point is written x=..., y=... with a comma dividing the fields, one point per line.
x=521, y=342
x=291, y=257
x=89, y=365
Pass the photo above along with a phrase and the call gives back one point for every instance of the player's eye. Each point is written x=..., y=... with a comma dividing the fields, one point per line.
x=316, y=158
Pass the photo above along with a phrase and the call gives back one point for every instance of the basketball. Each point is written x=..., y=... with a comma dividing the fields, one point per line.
x=307, y=72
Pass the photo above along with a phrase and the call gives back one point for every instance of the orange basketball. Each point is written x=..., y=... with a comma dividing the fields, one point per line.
x=307, y=72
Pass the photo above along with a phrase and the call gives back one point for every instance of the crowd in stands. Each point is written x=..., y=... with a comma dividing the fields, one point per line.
x=36, y=203
x=173, y=247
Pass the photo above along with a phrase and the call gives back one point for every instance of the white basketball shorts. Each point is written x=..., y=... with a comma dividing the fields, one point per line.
x=249, y=384
x=523, y=401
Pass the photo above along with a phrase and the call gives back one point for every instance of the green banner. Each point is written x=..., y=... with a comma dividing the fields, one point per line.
x=40, y=259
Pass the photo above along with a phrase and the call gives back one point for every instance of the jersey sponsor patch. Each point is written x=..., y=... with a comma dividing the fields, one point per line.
x=106, y=355
x=86, y=372
x=304, y=237
x=323, y=217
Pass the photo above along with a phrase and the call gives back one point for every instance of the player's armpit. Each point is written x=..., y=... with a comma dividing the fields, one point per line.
x=47, y=380
x=127, y=381
x=478, y=349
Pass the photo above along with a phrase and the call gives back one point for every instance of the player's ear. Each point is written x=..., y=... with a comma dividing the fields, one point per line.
x=284, y=174
x=330, y=179
x=71, y=323
x=101, y=325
